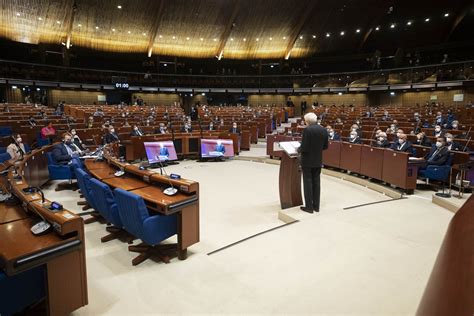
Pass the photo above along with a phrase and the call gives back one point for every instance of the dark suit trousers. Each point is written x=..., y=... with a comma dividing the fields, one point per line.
x=312, y=187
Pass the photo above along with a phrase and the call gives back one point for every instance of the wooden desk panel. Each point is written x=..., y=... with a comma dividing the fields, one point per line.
x=104, y=173
x=332, y=155
x=398, y=171
x=160, y=201
x=92, y=164
x=350, y=157
x=371, y=164
x=11, y=213
x=126, y=183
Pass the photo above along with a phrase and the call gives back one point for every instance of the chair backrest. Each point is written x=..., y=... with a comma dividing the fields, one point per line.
x=4, y=157
x=83, y=180
x=132, y=210
x=51, y=161
x=105, y=203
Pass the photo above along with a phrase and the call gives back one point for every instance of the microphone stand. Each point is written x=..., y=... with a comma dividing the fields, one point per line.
x=170, y=190
x=43, y=225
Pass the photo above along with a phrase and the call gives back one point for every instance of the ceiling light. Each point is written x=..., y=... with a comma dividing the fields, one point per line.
x=314, y=36
x=174, y=37
x=166, y=65
x=119, y=7
x=257, y=39
x=284, y=37
x=79, y=25
x=301, y=37
x=58, y=22
x=202, y=39
x=392, y=26
x=129, y=32
x=215, y=39
x=38, y=89
x=245, y=39
x=446, y=15
x=392, y=93
x=377, y=28
x=340, y=93
x=409, y=23
x=96, y=27
x=327, y=34
x=271, y=66
x=231, y=39
x=14, y=87
x=40, y=18
x=427, y=19
x=160, y=36
x=342, y=33
x=358, y=31
x=144, y=34
x=203, y=93
x=18, y=14
x=113, y=30
x=187, y=38
x=271, y=38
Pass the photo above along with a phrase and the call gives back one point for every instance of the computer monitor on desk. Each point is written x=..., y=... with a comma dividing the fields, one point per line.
x=160, y=152
x=217, y=148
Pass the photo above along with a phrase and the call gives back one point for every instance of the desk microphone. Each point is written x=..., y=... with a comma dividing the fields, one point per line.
x=467, y=143
x=43, y=226
x=372, y=136
x=170, y=190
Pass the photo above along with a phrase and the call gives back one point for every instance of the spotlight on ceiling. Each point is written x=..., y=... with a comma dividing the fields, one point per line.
x=18, y=14
x=328, y=35
x=187, y=38
x=340, y=93
x=392, y=26
x=392, y=93
x=119, y=7
x=284, y=37
x=301, y=37
x=79, y=25
x=377, y=28
x=40, y=18
x=314, y=36
x=96, y=27
x=409, y=23
x=245, y=39
x=271, y=38
x=358, y=31
x=58, y=22
x=113, y=30
x=446, y=15
x=232, y=39
x=427, y=19
x=202, y=39
x=257, y=39
x=342, y=33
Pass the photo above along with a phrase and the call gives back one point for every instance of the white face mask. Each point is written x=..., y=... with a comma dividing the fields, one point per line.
x=381, y=139
x=112, y=130
x=353, y=136
x=331, y=133
x=439, y=144
x=437, y=129
x=401, y=141
x=73, y=133
x=18, y=140
x=455, y=125
x=449, y=140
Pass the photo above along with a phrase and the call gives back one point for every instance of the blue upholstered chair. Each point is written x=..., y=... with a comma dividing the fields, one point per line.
x=21, y=290
x=3, y=150
x=60, y=172
x=84, y=182
x=40, y=141
x=5, y=131
x=438, y=173
x=106, y=205
x=151, y=229
x=5, y=157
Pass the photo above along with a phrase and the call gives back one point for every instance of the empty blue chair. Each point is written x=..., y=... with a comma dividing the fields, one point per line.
x=151, y=229
x=3, y=150
x=106, y=205
x=5, y=131
x=40, y=141
x=22, y=290
x=5, y=157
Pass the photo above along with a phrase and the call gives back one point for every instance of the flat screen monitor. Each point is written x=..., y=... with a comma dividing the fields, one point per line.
x=216, y=148
x=160, y=151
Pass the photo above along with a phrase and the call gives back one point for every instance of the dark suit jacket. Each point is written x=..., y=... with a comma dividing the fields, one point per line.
x=236, y=131
x=440, y=158
x=406, y=148
x=455, y=146
x=111, y=138
x=424, y=142
x=313, y=142
x=336, y=136
x=60, y=154
x=184, y=130
x=356, y=140
x=385, y=144
x=135, y=133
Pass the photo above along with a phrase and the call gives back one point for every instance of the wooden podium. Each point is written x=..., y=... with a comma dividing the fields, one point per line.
x=290, y=181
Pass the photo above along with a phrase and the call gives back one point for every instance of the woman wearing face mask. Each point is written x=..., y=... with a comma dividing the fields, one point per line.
x=111, y=136
x=455, y=126
x=76, y=140
x=16, y=149
x=332, y=134
x=404, y=145
x=422, y=140
x=382, y=141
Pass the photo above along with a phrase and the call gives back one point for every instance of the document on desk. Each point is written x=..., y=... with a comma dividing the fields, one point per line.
x=291, y=148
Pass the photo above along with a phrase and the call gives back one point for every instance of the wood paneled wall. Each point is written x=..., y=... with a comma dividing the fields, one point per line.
x=14, y=95
x=73, y=96
x=158, y=98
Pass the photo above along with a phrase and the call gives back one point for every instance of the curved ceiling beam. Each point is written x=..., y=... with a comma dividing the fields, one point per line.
x=228, y=29
x=375, y=23
x=70, y=25
x=155, y=26
x=299, y=27
x=459, y=17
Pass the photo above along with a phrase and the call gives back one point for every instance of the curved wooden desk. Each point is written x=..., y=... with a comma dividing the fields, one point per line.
x=450, y=289
x=149, y=185
x=62, y=251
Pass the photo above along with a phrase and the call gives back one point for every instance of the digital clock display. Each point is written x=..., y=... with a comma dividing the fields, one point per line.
x=121, y=85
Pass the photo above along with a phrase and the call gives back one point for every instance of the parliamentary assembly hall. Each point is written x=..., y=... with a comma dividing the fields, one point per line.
x=236, y=157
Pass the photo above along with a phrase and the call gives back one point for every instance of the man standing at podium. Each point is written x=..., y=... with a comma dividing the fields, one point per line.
x=313, y=142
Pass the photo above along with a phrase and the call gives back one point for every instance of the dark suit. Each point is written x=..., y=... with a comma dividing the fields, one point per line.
x=424, y=142
x=189, y=130
x=313, y=142
x=220, y=148
x=406, y=147
x=61, y=155
x=384, y=144
x=336, y=136
x=164, y=151
x=137, y=133
x=356, y=140
x=111, y=138
x=455, y=146
x=437, y=156
x=234, y=130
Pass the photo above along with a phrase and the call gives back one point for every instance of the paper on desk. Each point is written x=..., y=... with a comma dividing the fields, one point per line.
x=291, y=148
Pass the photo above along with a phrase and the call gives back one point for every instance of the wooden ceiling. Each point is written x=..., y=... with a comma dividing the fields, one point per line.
x=238, y=29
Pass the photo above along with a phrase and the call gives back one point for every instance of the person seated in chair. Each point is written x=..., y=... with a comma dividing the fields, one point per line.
x=422, y=140
x=32, y=122
x=438, y=132
x=211, y=127
x=90, y=122
x=76, y=141
x=136, y=131
x=186, y=128
x=234, y=129
x=16, y=149
x=451, y=144
x=356, y=128
x=64, y=152
x=404, y=145
x=332, y=134
x=455, y=126
x=162, y=129
x=98, y=113
x=397, y=135
x=438, y=154
x=111, y=136
x=382, y=141
x=354, y=138
x=48, y=132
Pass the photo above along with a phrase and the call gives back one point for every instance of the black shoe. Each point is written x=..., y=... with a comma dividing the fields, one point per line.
x=315, y=210
x=305, y=209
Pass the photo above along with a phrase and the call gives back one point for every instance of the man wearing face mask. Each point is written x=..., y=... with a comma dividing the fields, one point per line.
x=422, y=140
x=451, y=144
x=397, y=135
x=382, y=141
x=16, y=149
x=136, y=131
x=404, y=145
x=439, y=120
x=111, y=136
x=332, y=134
x=354, y=138
x=455, y=126
x=438, y=154
x=161, y=129
x=64, y=152
x=234, y=129
x=211, y=127
x=437, y=131
x=76, y=140
x=186, y=128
